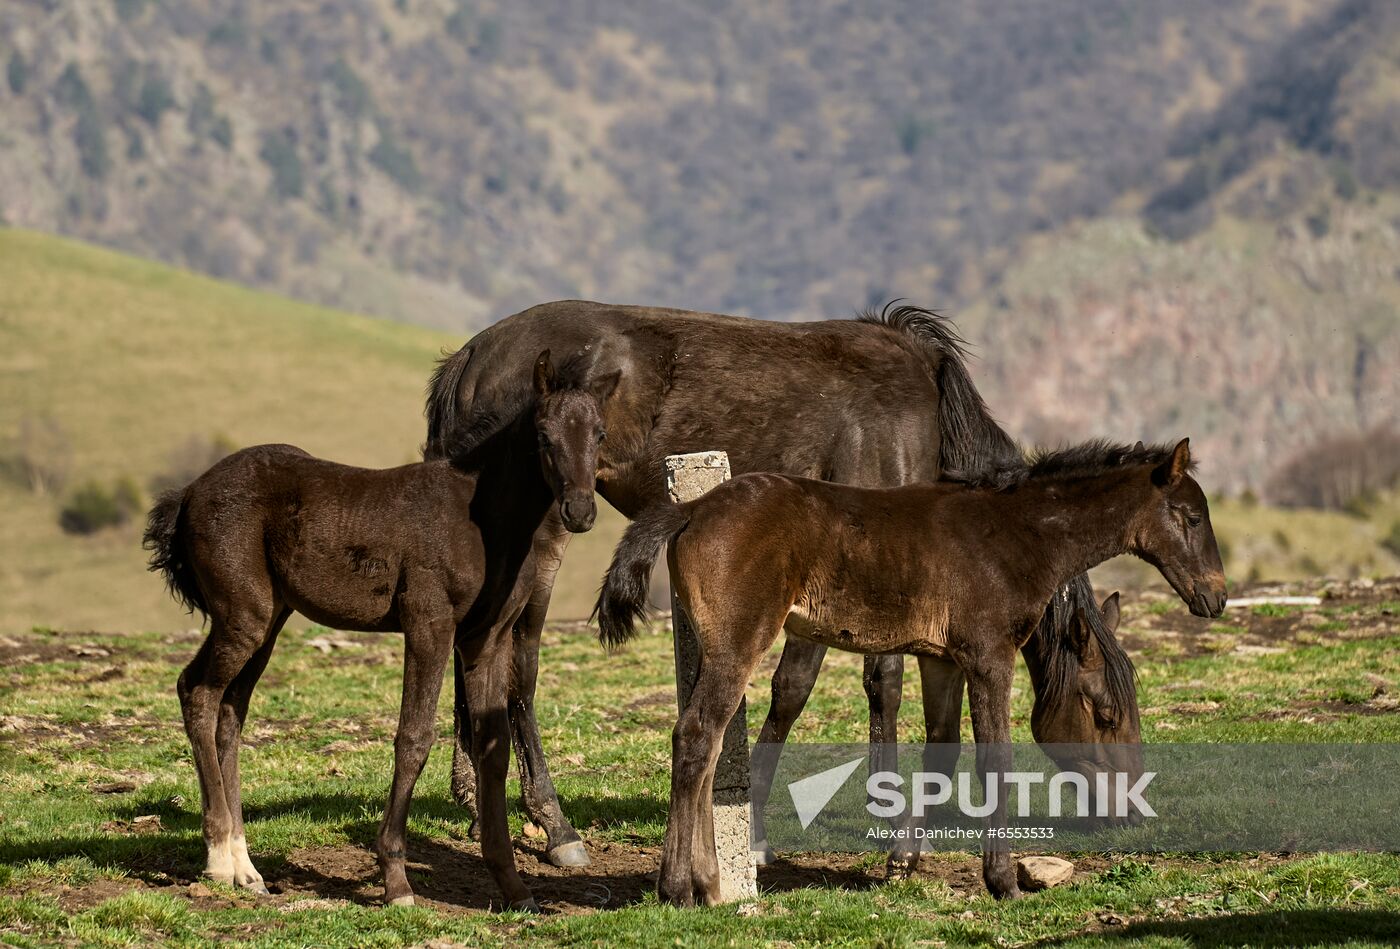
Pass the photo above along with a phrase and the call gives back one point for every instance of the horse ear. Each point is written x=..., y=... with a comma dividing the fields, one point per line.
x=544, y=374
x=1170, y=472
x=1079, y=633
x=1111, y=613
x=603, y=387
x=1139, y=446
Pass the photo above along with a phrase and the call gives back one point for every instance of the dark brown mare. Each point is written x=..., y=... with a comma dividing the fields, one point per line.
x=879, y=401
x=953, y=571
x=441, y=551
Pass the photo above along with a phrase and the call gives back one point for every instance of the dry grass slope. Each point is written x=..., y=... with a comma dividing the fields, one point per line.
x=133, y=358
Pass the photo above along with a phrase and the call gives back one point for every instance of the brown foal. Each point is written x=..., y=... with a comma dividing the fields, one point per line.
x=440, y=550
x=944, y=570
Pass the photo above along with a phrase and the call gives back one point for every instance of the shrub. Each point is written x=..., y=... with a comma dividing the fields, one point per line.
x=93, y=507
x=154, y=99
x=279, y=152
x=1339, y=473
x=17, y=73
x=41, y=457
x=1391, y=541
x=90, y=136
x=395, y=161
x=353, y=94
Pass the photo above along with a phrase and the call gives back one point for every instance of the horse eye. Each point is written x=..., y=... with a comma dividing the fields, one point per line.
x=1105, y=718
x=1194, y=520
x=602, y=436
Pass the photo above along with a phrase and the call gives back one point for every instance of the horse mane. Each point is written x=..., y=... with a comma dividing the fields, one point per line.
x=441, y=406
x=1085, y=460
x=450, y=435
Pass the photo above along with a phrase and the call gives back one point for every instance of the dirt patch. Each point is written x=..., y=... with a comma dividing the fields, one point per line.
x=450, y=875
x=1350, y=610
x=76, y=735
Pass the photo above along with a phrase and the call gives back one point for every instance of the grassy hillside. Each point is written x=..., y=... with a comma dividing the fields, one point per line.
x=131, y=359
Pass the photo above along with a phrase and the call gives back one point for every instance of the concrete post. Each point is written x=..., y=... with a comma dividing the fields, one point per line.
x=688, y=477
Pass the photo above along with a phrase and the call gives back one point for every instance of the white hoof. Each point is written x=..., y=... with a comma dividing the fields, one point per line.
x=402, y=900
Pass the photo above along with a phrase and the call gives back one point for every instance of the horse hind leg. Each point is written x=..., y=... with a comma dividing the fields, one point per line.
x=236, y=634
x=942, y=685
x=793, y=680
x=427, y=642
x=232, y=714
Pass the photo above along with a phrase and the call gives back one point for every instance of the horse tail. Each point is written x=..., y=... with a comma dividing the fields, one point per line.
x=163, y=539
x=442, y=408
x=971, y=443
x=623, y=598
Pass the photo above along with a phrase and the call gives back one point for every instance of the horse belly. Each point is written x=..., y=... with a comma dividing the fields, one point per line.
x=872, y=629
x=358, y=593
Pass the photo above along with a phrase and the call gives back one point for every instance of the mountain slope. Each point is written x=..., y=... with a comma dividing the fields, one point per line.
x=450, y=161
x=1254, y=302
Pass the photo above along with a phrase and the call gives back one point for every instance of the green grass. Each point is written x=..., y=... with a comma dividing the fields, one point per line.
x=317, y=758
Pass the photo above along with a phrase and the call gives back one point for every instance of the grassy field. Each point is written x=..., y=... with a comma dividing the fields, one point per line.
x=132, y=359
x=99, y=819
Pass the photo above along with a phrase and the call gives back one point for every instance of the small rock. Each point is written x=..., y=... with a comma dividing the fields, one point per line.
x=533, y=831
x=199, y=891
x=114, y=787
x=1113, y=919
x=89, y=651
x=748, y=909
x=146, y=824
x=1039, y=873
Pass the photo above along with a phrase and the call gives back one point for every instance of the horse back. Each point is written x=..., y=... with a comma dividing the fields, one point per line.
x=837, y=399
x=340, y=544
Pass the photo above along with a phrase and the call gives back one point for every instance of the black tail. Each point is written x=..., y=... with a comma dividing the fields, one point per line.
x=442, y=402
x=971, y=443
x=162, y=538
x=623, y=599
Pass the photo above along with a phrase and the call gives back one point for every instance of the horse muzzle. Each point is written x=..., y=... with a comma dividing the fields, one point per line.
x=578, y=513
x=1208, y=602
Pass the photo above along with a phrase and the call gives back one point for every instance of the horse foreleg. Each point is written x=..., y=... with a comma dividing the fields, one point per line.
x=563, y=846
x=487, y=680
x=793, y=680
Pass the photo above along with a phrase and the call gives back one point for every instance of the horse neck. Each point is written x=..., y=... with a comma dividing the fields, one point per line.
x=1079, y=523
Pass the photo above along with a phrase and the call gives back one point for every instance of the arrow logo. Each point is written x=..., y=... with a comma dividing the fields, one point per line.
x=813, y=793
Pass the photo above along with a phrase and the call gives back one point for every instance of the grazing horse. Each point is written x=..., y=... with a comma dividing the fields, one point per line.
x=960, y=572
x=441, y=551
x=880, y=401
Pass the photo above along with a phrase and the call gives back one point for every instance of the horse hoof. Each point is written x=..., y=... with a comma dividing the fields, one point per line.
x=402, y=900
x=526, y=906
x=257, y=889
x=763, y=855
x=901, y=867
x=571, y=854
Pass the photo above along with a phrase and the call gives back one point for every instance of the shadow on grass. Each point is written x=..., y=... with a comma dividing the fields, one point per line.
x=1304, y=927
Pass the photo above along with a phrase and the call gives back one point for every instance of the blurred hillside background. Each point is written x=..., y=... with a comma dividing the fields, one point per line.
x=1149, y=219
